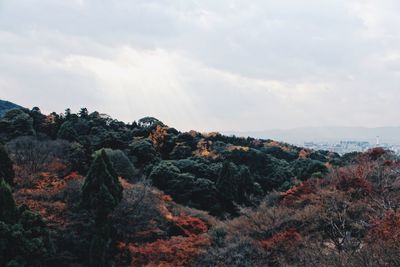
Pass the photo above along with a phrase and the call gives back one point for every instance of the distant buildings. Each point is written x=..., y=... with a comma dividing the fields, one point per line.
x=344, y=147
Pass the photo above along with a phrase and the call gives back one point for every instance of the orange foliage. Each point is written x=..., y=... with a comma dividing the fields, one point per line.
x=177, y=251
x=283, y=239
x=48, y=182
x=304, y=153
x=190, y=225
x=125, y=184
x=298, y=193
x=187, y=242
x=203, y=149
x=166, y=198
x=40, y=196
x=73, y=176
x=386, y=229
x=159, y=135
x=242, y=148
x=277, y=144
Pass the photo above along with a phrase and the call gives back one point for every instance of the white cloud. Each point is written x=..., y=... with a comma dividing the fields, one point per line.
x=208, y=65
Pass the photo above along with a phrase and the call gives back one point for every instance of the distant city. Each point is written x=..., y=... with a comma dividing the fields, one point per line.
x=343, y=147
x=336, y=139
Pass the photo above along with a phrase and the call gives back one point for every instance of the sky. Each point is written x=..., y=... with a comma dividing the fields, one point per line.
x=208, y=64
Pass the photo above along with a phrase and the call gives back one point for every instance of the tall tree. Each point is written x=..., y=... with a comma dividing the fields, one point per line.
x=8, y=210
x=227, y=185
x=101, y=191
x=6, y=167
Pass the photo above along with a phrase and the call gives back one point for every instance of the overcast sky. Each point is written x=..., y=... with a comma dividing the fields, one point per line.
x=207, y=64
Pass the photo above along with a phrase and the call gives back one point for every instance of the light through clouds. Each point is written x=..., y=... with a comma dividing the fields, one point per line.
x=206, y=65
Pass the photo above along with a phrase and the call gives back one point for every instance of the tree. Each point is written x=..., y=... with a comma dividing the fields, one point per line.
x=6, y=167
x=33, y=155
x=121, y=164
x=101, y=191
x=23, y=234
x=143, y=151
x=16, y=122
x=83, y=113
x=8, y=209
x=39, y=119
x=67, y=131
x=227, y=185
x=149, y=122
x=306, y=168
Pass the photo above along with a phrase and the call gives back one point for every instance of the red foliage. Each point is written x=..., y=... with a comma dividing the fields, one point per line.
x=56, y=166
x=288, y=238
x=298, y=193
x=166, y=198
x=375, y=153
x=73, y=176
x=353, y=182
x=177, y=251
x=386, y=229
x=190, y=225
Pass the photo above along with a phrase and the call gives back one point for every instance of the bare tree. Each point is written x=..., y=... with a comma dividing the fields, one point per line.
x=32, y=154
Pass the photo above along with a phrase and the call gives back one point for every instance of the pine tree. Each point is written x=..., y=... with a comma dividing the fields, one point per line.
x=101, y=191
x=227, y=185
x=8, y=209
x=6, y=167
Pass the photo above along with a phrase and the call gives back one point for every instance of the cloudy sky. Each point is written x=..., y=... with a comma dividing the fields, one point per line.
x=207, y=64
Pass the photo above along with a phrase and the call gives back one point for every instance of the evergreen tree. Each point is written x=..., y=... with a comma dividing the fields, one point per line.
x=101, y=191
x=24, y=237
x=6, y=166
x=8, y=210
x=227, y=185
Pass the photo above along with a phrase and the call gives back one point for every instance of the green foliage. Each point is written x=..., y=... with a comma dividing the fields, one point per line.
x=121, y=164
x=23, y=234
x=235, y=184
x=8, y=210
x=101, y=191
x=16, y=122
x=78, y=157
x=143, y=152
x=6, y=166
x=181, y=151
x=267, y=170
x=306, y=168
x=67, y=132
x=185, y=187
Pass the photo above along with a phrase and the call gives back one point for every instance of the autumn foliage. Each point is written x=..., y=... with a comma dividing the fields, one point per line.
x=285, y=238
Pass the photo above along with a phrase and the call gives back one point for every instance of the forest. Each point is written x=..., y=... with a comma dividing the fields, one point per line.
x=84, y=189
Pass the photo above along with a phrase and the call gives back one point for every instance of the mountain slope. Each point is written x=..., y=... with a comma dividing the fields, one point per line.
x=6, y=105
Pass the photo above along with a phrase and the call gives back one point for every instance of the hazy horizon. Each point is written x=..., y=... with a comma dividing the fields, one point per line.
x=206, y=65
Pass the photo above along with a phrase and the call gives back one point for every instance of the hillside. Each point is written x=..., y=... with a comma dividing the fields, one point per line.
x=5, y=106
x=89, y=190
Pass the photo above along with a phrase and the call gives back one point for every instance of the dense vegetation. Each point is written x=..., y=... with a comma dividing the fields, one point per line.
x=98, y=192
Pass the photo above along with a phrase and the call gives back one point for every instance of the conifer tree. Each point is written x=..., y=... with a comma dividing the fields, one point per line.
x=6, y=167
x=101, y=191
x=8, y=209
x=227, y=185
